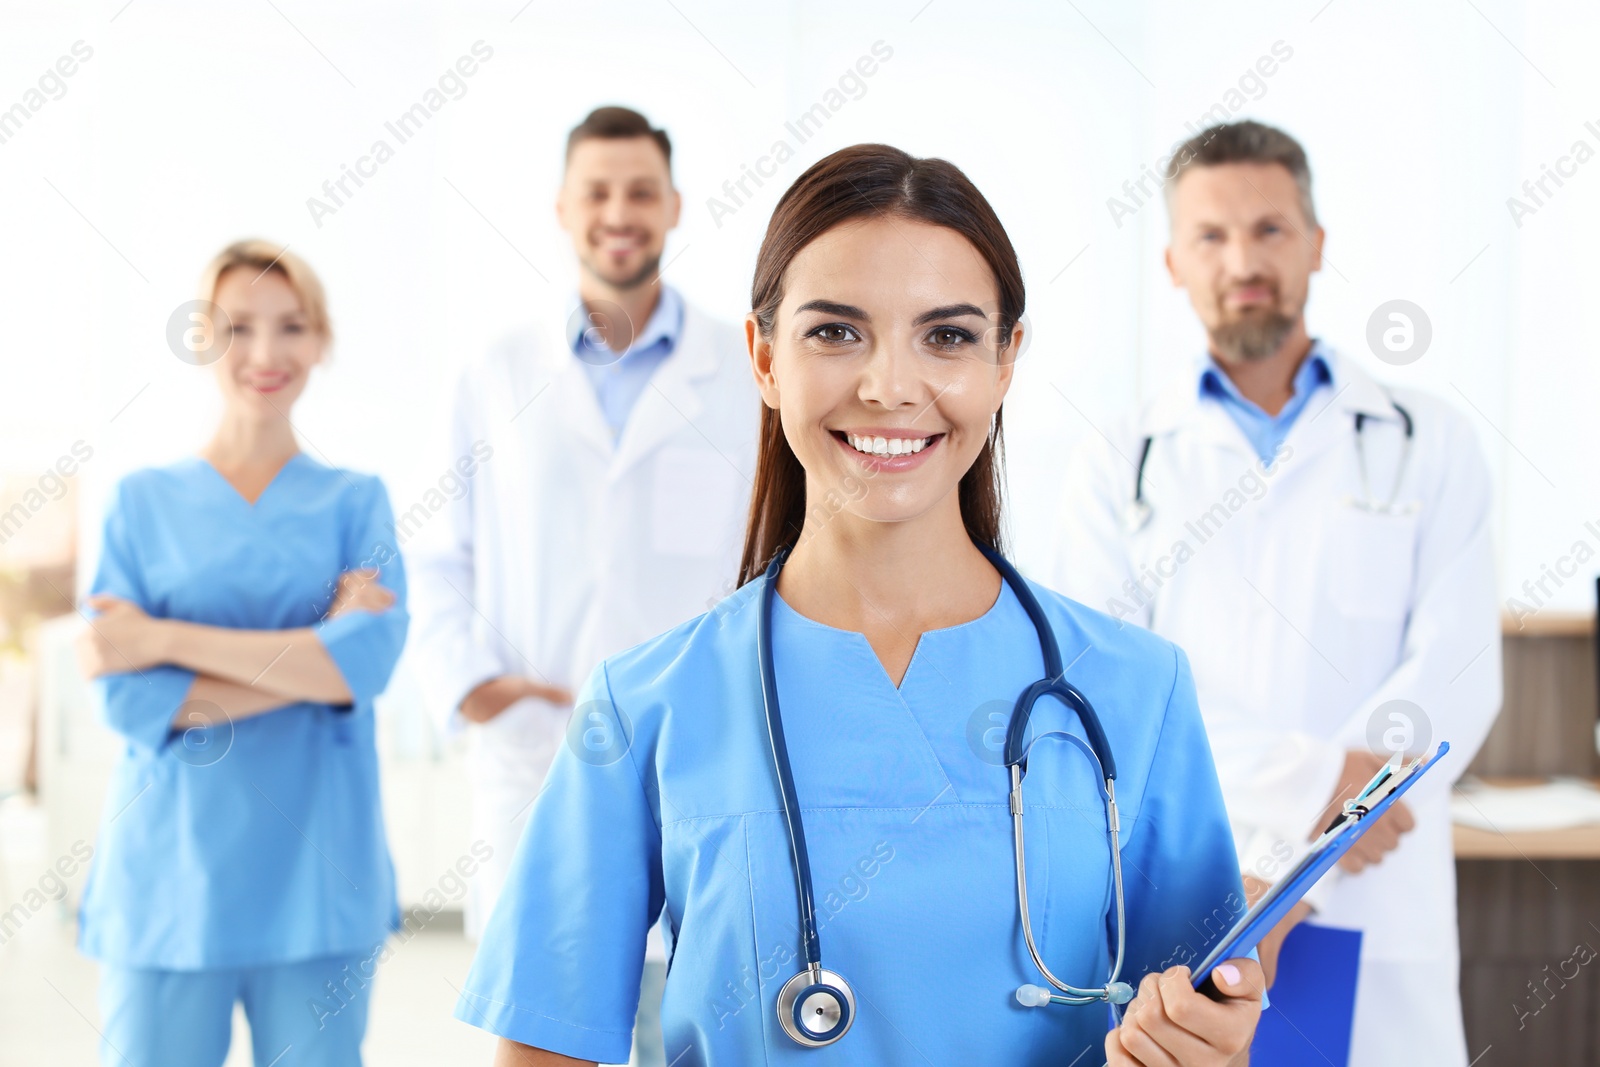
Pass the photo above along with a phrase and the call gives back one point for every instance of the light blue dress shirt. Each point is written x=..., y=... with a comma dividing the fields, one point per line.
x=663, y=802
x=259, y=841
x=1266, y=432
x=619, y=379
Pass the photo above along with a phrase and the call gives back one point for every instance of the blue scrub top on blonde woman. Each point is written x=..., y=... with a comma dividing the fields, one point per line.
x=260, y=841
x=664, y=802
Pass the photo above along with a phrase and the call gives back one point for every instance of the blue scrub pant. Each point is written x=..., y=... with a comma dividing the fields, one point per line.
x=155, y=1018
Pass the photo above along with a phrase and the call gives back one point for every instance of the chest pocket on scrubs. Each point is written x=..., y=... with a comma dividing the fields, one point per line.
x=694, y=498
x=1372, y=561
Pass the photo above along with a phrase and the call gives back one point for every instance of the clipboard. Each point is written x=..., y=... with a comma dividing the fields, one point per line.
x=1359, y=813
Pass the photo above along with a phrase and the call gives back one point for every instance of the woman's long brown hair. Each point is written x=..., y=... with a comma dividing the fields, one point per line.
x=870, y=179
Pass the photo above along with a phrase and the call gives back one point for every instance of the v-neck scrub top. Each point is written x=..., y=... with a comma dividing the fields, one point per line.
x=259, y=841
x=664, y=801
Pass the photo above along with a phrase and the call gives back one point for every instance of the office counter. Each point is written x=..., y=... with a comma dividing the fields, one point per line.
x=1530, y=901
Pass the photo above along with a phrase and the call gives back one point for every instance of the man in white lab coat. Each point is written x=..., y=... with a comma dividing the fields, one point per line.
x=1319, y=545
x=613, y=443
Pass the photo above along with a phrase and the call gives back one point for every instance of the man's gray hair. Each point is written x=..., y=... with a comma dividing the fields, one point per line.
x=1243, y=142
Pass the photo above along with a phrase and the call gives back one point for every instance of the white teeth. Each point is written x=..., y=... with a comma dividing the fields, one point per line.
x=887, y=446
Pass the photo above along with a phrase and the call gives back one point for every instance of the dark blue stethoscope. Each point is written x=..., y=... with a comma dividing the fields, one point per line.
x=817, y=1007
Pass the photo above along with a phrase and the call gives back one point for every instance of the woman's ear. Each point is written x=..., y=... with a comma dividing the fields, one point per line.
x=761, y=361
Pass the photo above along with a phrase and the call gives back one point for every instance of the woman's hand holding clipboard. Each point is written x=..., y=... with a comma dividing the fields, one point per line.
x=1359, y=814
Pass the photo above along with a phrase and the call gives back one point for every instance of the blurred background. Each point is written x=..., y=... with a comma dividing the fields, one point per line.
x=187, y=125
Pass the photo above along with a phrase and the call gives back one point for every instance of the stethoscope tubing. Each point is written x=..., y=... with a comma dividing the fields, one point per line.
x=1016, y=757
x=811, y=945
x=1139, y=509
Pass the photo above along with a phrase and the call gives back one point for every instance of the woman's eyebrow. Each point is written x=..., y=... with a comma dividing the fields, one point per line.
x=831, y=307
x=951, y=311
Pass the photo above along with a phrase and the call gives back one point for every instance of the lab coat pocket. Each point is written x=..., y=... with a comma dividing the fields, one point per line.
x=694, y=502
x=1372, y=557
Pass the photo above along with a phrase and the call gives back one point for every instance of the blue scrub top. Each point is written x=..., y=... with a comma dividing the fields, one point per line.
x=664, y=801
x=259, y=841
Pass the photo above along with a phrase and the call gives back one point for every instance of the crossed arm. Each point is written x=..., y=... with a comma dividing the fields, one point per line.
x=243, y=672
x=511, y=1054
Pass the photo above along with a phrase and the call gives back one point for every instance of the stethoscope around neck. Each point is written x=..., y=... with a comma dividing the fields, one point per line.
x=1137, y=515
x=817, y=1006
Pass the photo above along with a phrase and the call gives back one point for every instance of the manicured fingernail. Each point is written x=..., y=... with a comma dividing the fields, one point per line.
x=1229, y=972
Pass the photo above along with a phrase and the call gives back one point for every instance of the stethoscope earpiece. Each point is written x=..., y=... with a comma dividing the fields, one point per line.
x=1034, y=996
x=1137, y=516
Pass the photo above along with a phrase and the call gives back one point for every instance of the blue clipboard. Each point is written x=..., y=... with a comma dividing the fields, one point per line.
x=1346, y=829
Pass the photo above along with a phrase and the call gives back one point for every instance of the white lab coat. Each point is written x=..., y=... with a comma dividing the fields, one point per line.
x=567, y=547
x=1302, y=616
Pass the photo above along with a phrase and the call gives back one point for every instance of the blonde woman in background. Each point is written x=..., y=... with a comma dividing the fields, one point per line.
x=247, y=607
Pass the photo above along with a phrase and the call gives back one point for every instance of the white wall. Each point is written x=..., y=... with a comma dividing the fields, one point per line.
x=196, y=123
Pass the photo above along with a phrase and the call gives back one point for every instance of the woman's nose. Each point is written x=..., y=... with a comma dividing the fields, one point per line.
x=890, y=376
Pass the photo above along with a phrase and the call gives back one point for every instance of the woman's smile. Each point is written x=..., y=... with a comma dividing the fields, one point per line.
x=886, y=449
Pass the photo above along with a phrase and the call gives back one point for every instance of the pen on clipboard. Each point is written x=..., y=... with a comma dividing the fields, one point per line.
x=1388, y=778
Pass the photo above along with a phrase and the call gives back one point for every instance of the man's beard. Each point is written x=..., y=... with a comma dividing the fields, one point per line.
x=1252, y=338
x=647, y=272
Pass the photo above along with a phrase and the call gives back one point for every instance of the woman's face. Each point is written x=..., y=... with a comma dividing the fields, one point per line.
x=884, y=364
x=271, y=345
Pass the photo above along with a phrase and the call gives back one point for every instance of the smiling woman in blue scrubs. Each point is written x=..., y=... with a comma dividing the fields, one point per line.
x=887, y=304
x=249, y=605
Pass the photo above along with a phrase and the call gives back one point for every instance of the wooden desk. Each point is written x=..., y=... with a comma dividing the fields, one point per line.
x=1578, y=843
x=1549, y=624
x=1574, y=843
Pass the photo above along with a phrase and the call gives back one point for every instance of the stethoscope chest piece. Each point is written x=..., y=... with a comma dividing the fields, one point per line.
x=816, y=1007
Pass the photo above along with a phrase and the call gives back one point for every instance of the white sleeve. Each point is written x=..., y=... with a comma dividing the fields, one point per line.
x=451, y=659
